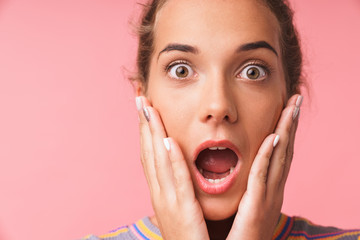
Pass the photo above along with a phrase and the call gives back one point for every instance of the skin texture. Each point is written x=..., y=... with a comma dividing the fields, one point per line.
x=216, y=101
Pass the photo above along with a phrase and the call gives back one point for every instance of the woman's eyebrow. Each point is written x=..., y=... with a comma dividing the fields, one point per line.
x=256, y=45
x=195, y=50
x=179, y=47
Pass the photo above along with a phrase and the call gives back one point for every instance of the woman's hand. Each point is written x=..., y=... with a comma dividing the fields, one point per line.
x=177, y=211
x=260, y=207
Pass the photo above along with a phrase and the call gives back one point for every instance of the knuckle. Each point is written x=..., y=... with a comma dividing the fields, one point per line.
x=260, y=175
x=265, y=153
x=142, y=161
x=178, y=181
x=142, y=124
x=282, y=160
x=157, y=164
x=263, y=177
x=180, y=189
x=146, y=154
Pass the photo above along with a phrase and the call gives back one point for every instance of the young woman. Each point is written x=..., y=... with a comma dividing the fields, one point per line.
x=218, y=97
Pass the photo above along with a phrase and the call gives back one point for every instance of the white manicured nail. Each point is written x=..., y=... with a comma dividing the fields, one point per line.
x=167, y=144
x=276, y=140
x=299, y=101
x=295, y=113
x=138, y=103
x=146, y=114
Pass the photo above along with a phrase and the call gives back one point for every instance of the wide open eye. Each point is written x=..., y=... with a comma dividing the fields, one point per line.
x=253, y=72
x=180, y=71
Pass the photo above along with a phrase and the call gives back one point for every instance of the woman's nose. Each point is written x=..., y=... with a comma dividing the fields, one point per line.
x=218, y=103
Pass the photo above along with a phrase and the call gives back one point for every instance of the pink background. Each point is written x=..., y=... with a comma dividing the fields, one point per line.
x=69, y=145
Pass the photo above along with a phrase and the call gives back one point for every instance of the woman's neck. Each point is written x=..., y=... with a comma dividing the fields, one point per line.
x=218, y=230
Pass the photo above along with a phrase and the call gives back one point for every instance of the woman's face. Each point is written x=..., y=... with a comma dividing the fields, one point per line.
x=216, y=78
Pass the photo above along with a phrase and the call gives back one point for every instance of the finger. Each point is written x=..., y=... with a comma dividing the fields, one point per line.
x=280, y=157
x=290, y=151
x=256, y=187
x=182, y=179
x=161, y=159
x=147, y=154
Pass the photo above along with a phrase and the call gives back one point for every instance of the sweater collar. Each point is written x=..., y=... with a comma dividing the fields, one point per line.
x=147, y=230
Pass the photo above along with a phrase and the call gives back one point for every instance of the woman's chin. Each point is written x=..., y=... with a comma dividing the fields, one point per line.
x=218, y=216
x=218, y=211
x=217, y=207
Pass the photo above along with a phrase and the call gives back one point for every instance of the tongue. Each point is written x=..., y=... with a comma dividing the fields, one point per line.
x=216, y=163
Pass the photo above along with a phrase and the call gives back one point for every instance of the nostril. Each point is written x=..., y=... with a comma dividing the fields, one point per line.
x=226, y=117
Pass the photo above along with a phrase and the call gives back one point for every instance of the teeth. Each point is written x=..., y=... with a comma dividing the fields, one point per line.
x=215, y=180
x=210, y=180
x=217, y=148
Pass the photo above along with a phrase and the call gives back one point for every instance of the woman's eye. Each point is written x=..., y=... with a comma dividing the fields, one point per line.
x=179, y=71
x=253, y=72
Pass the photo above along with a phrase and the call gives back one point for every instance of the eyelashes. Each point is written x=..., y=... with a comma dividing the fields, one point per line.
x=255, y=71
x=252, y=70
x=179, y=70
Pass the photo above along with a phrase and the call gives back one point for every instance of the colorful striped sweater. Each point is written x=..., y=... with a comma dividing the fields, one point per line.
x=293, y=228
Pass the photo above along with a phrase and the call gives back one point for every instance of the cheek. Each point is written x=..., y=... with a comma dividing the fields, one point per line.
x=261, y=117
x=175, y=117
x=175, y=106
x=175, y=111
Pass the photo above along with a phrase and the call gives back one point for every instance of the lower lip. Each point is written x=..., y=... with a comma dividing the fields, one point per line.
x=217, y=188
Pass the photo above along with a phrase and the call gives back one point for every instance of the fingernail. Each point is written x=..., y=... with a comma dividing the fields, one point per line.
x=299, y=101
x=146, y=114
x=276, y=140
x=167, y=144
x=138, y=103
x=295, y=113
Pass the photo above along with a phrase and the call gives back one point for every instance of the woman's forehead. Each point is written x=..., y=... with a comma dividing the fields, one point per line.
x=215, y=23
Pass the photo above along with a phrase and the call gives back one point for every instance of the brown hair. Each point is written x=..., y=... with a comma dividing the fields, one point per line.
x=289, y=40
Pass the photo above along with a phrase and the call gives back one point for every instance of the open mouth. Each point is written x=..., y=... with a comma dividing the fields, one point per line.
x=215, y=164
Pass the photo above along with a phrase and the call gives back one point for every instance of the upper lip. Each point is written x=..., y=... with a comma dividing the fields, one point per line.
x=216, y=143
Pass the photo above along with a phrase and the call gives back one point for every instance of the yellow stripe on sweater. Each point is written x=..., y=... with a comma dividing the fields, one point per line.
x=144, y=229
x=113, y=234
